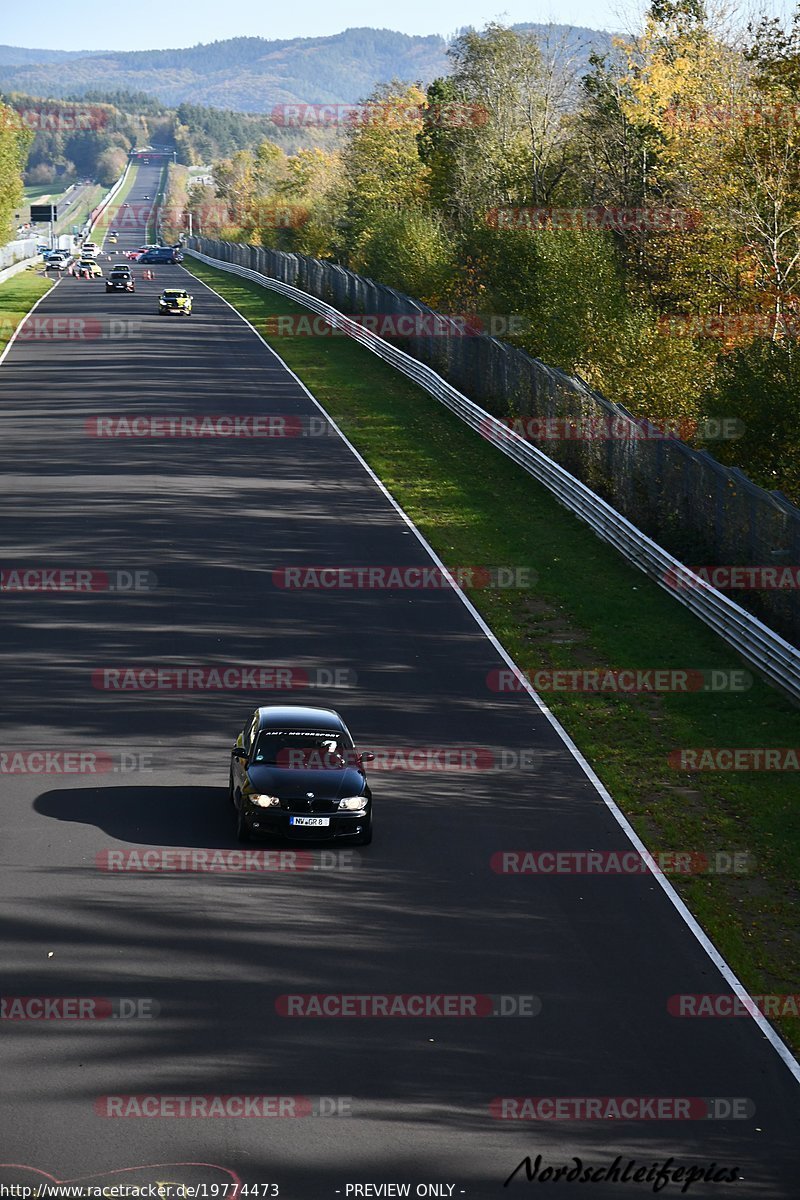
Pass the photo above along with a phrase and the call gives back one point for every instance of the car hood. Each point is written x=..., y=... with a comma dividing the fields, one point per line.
x=326, y=785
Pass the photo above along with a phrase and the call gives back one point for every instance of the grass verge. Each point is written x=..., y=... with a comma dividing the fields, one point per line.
x=17, y=297
x=588, y=609
x=41, y=191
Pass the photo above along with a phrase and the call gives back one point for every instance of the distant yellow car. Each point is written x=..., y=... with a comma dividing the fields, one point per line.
x=113, y=239
x=89, y=264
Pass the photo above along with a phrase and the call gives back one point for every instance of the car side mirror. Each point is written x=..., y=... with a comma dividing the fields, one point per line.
x=239, y=752
x=366, y=757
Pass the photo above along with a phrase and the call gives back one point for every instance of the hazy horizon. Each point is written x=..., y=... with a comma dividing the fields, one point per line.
x=245, y=18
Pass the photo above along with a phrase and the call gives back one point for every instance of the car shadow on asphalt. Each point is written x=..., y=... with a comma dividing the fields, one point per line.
x=149, y=815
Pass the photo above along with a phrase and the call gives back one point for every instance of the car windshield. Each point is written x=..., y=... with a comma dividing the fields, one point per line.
x=324, y=750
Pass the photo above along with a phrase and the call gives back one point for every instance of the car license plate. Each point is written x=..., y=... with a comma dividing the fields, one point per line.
x=309, y=820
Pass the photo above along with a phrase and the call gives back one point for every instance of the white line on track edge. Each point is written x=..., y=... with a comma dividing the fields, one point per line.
x=30, y=311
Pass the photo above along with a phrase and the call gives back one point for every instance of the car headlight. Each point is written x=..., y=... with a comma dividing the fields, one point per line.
x=352, y=803
x=264, y=801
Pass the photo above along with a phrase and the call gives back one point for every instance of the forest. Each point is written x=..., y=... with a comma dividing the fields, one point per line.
x=640, y=219
x=633, y=217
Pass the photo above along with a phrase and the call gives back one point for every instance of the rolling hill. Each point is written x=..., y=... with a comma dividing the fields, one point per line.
x=251, y=74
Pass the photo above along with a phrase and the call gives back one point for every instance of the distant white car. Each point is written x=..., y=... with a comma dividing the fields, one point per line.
x=90, y=249
x=57, y=261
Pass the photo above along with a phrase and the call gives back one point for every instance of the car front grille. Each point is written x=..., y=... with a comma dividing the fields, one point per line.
x=302, y=805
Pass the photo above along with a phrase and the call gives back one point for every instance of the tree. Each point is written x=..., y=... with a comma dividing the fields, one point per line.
x=759, y=384
x=508, y=139
x=110, y=165
x=381, y=162
x=408, y=249
x=14, y=143
x=235, y=182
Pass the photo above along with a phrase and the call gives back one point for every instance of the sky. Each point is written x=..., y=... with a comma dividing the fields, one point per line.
x=152, y=23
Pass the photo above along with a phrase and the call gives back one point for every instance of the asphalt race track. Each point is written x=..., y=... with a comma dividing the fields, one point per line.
x=205, y=954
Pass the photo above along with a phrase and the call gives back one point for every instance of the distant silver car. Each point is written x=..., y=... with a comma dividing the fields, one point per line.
x=58, y=260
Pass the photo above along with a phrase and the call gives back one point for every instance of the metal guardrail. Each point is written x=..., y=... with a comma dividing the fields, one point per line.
x=775, y=658
x=97, y=212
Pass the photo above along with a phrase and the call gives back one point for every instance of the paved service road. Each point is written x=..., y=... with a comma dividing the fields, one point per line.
x=420, y=912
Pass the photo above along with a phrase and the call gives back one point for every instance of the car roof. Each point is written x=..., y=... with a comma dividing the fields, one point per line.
x=298, y=716
x=174, y=292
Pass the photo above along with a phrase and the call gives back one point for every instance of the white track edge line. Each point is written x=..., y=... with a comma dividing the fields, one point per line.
x=30, y=311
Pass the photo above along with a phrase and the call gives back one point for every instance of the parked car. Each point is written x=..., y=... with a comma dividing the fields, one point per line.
x=161, y=254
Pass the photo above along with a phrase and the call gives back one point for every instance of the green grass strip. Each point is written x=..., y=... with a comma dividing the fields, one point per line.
x=17, y=297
